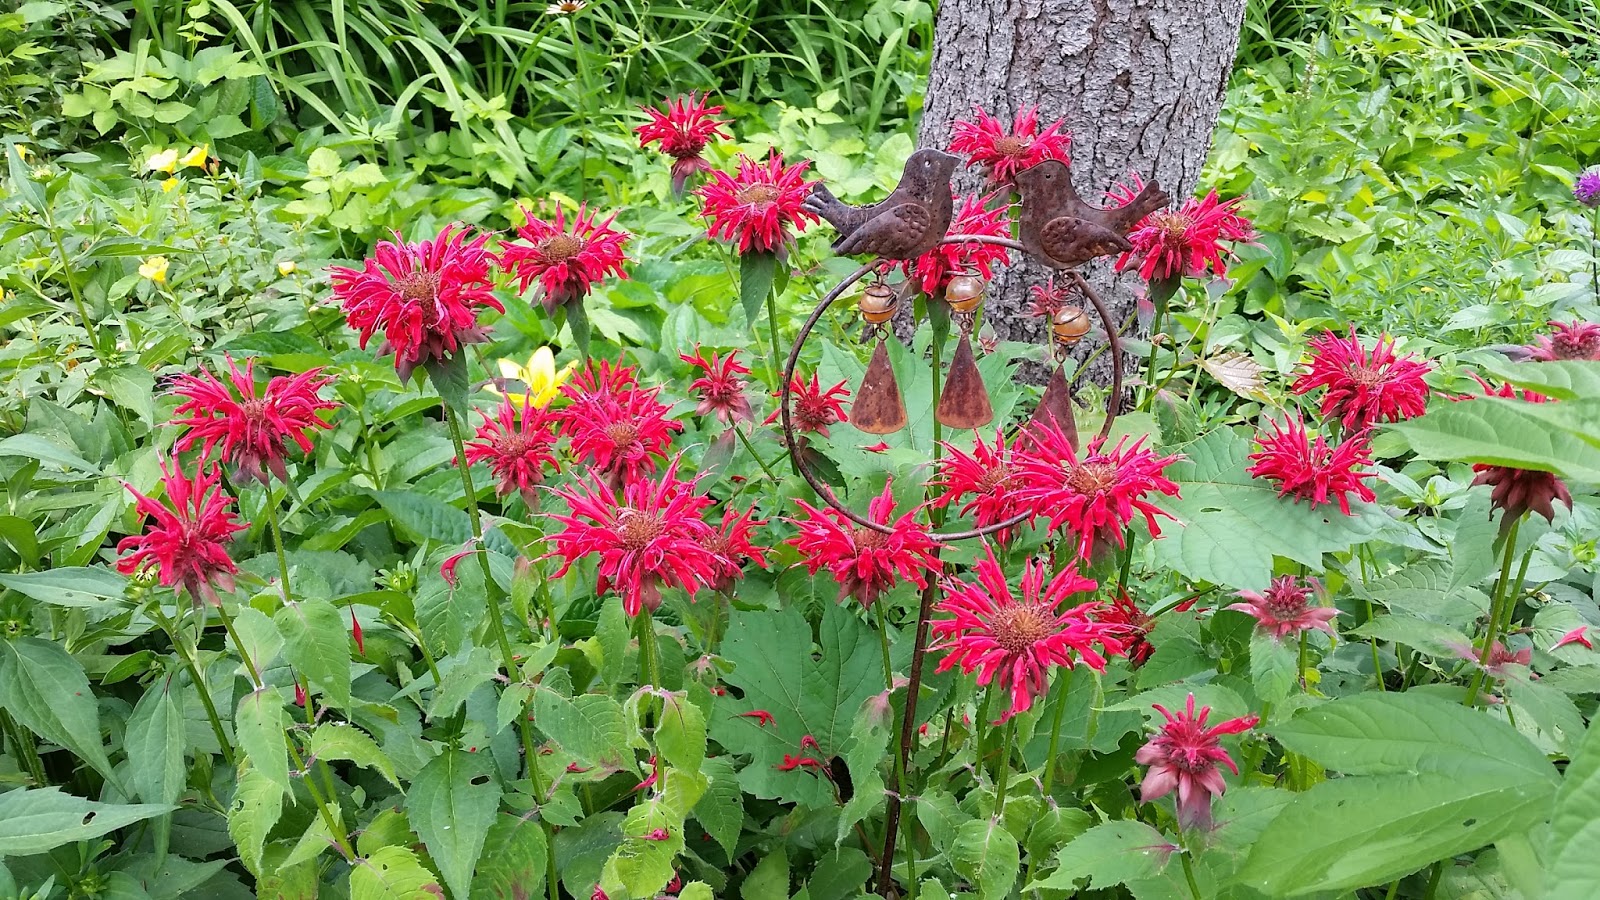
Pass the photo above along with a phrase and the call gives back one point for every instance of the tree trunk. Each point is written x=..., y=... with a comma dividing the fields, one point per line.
x=1139, y=82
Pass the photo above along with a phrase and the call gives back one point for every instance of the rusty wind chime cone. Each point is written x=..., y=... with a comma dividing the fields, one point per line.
x=1067, y=327
x=879, y=407
x=964, y=403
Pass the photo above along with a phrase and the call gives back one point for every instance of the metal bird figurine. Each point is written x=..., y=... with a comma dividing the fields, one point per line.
x=1059, y=228
x=904, y=225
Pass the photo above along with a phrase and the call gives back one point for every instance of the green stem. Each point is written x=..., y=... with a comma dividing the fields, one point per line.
x=72, y=286
x=1003, y=776
x=1303, y=661
x=899, y=762
x=1394, y=888
x=754, y=455
x=277, y=543
x=1491, y=634
x=936, y=349
x=649, y=665
x=1377, y=667
x=1150, y=364
x=1188, y=873
x=25, y=749
x=1060, y=700
x=198, y=679
x=1433, y=880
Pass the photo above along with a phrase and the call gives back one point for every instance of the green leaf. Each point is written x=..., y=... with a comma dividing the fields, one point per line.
x=513, y=863
x=393, y=873
x=1504, y=432
x=577, y=318
x=1274, y=667
x=87, y=586
x=34, y=820
x=36, y=446
x=1425, y=590
x=460, y=675
x=721, y=808
x=756, y=274
x=450, y=379
x=1109, y=854
x=316, y=644
x=425, y=517
x=1572, y=866
x=1558, y=380
x=44, y=688
x=257, y=805
x=986, y=855
x=769, y=880
x=681, y=732
x=1232, y=525
x=154, y=743
x=452, y=804
x=332, y=741
x=591, y=727
x=261, y=727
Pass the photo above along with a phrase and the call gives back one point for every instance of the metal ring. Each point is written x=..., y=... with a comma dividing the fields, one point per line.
x=823, y=489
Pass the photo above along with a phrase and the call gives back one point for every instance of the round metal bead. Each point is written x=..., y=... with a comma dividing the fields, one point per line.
x=965, y=292
x=1069, y=325
x=877, y=303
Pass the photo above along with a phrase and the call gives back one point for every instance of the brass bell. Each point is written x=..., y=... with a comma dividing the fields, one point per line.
x=1069, y=325
x=965, y=292
x=877, y=303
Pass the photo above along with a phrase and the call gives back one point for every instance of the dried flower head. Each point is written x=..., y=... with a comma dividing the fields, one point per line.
x=866, y=562
x=757, y=207
x=1130, y=624
x=987, y=143
x=186, y=542
x=1364, y=388
x=566, y=262
x=1184, y=754
x=251, y=426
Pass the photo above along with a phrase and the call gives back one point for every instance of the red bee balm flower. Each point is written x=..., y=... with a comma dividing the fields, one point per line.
x=1184, y=754
x=1096, y=495
x=620, y=433
x=864, y=561
x=1572, y=340
x=1045, y=300
x=988, y=476
x=733, y=548
x=565, y=263
x=647, y=535
x=721, y=389
x=934, y=269
x=1014, y=644
x=185, y=542
x=1131, y=624
x=251, y=427
x=1285, y=609
x=756, y=207
x=1183, y=241
x=1364, y=388
x=517, y=443
x=423, y=296
x=986, y=143
x=683, y=132
x=814, y=408
x=1308, y=469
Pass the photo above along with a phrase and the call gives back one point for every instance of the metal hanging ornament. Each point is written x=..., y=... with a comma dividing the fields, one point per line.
x=879, y=407
x=964, y=402
x=1067, y=327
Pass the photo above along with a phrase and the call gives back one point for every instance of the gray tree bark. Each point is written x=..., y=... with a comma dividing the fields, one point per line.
x=1139, y=82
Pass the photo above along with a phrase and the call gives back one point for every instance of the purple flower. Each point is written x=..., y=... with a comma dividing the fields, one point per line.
x=1587, y=190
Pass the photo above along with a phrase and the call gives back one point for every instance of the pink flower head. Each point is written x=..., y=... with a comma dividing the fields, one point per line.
x=1045, y=300
x=1502, y=658
x=814, y=408
x=683, y=131
x=647, y=535
x=600, y=376
x=721, y=389
x=1364, y=388
x=1306, y=468
x=985, y=142
x=566, y=263
x=622, y=433
x=1183, y=241
x=1095, y=495
x=1286, y=608
x=424, y=296
x=864, y=561
x=187, y=538
x=518, y=443
x=934, y=269
x=1130, y=624
x=251, y=426
x=1575, y=636
x=1516, y=491
x=731, y=544
x=1572, y=340
x=1014, y=643
x=988, y=475
x=1184, y=754
x=756, y=208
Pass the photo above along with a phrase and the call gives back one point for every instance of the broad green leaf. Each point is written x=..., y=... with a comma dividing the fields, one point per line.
x=449, y=377
x=681, y=732
x=37, y=446
x=756, y=273
x=1558, y=380
x=261, y=727
x=1057, y=825
x=1109, y=854
x=1573, y=867
x=770, y=878
x=87, y=587
x=986, y=855
x=1230, y=525
x=346, y=742
x=315, y=839
x=423, y=517
x=44, y=688
x=393, y=873
x=721, y=808
x=591, y=727
x=1274, y=667
x=1505, y=432
x=513, y=865
x=696, y=890
x=1419, y=634
x=452, y=804
x=839, y=875
x=460, y=675
x=257, y=804
x=316, y=643
x=34, y=820
x=154, y=743
x=611, y=634
x=1425, y=590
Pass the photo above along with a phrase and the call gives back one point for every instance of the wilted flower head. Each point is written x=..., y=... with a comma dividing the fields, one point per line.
x=1516, y=491
x=565, y=262
x=646, y=536
x=721, y=389
x=1587, y=189
x=424, y=296
x=1306, y=468
x=1572, y=340
x=756, y=207
x=518, y=444
x=934, y=269
x=1286, y=608
x=683, y=131
x=988, y=475
x=187, y=538
x=1364, y=388
x=731, y=543
x=1129, y=624
x=866, y=562
x=1014, y=643
x=1183, y=241
x=1094, y=495
x=1184, y=754
x=251, y=426
x=814, y=408
x=1002, y=153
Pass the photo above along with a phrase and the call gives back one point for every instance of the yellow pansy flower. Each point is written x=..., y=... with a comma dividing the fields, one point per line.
x=543, y=382
x=168, y=184
x=155, y=269
x=195, y=158
x=165, y=161
x=286, y=267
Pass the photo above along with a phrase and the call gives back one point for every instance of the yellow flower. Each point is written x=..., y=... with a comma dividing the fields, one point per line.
x=22, y=152
x=155, y=269
x=543, y=382
x=165, y=161
x=195, y=158
x=168, y=184
x=286, y=267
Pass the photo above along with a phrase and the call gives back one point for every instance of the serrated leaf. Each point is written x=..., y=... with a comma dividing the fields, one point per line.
x=1572, y=866
x=315, y=643
x=1499, y=431
x=591, y=727
x=346, y=742
x=449, y=377
x=43, y=687
x=257, y=804
x=261, y=727
x=681, y=732
x=1239, y=373
x=424, y=516
x=1424, y=590
x=315, y=839
x=460, y=675
x=1274, y=667
x=393, y=873
x=34, y=820
x=513, y=865
x=720, y=809
x=1109, y=854
x=643, y=867
x=87, y=587
x=155, y=742
x=987, y=856
x=770, y=878
x=452, y=804
x=1559, y=379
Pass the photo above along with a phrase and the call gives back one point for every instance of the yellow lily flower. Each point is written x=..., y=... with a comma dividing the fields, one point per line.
x=195, y=158
x=165, y=161
x=543, y=382
x=155, y=269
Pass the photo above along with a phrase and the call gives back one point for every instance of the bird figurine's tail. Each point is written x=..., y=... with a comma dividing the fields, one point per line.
x=1148, y=200
x=843, y=217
